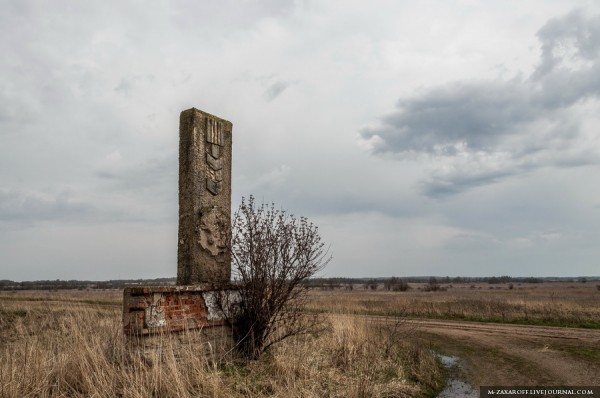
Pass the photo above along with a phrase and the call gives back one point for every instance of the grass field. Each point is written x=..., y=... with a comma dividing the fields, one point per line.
x=569, y=304
x=70, y=344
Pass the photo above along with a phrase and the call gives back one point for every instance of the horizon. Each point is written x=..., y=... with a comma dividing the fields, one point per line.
x=590, y=278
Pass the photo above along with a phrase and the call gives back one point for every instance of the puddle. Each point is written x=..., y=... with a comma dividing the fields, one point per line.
x=455, y=388
x=447, y=360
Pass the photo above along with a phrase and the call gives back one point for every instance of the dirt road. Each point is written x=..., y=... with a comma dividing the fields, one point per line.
x=509, y=355
x=512, y=355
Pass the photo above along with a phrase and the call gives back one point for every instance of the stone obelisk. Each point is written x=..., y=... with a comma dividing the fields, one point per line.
x=204, y=250
x=204, y=244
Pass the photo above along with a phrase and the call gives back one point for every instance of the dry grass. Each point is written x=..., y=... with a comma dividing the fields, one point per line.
x=71, y=345
x=555, y=304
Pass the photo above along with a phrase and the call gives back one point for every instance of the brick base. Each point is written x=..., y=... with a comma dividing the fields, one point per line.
x=155, y=310
x=151, y=315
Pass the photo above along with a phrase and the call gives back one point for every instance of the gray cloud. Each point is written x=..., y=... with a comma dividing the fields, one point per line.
x=501, y=124
x=29, y=208
x=151, y=173
x=439, y=186
x=567, y=39
x=477, y=114
x=35, y=206
x=275, y=89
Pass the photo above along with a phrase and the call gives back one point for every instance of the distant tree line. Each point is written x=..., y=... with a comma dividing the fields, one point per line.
x=337, y=283
x=432, y=283
x=58, y=284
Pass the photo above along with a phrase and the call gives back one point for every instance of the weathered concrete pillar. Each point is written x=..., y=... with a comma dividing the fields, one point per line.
x=204, y=250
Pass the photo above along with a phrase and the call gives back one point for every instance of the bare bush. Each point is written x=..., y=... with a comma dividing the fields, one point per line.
x=371, y=284
x=433, y=286
x=396, y=284
x=273, y=253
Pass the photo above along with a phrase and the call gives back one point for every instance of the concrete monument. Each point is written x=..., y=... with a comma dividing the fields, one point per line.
x=204, y=252
x=204, y=243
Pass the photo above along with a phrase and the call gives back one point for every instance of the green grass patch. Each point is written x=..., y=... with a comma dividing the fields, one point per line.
x=591, y=354
x=574, y=322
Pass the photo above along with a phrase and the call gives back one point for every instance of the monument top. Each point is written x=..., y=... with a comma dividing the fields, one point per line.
x=204, y=244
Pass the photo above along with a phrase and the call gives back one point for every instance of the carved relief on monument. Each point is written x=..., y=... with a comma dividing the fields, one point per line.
x=214, y=227
x=215, y=140
x=154, y=314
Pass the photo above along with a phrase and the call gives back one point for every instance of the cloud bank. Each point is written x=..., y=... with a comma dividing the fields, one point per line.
x=477, y=132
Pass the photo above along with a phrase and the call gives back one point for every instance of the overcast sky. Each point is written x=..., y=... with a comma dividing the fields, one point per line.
x=423, y=137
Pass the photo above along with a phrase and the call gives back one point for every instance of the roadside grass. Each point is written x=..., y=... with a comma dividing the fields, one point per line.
x=590, y=354
x=548, y=304
x=76, y=349
x=481, y=364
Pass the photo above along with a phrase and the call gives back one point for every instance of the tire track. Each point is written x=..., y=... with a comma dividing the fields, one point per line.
x=507, y=354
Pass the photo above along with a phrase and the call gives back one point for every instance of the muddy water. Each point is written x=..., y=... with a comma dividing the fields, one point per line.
x=455, y=387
